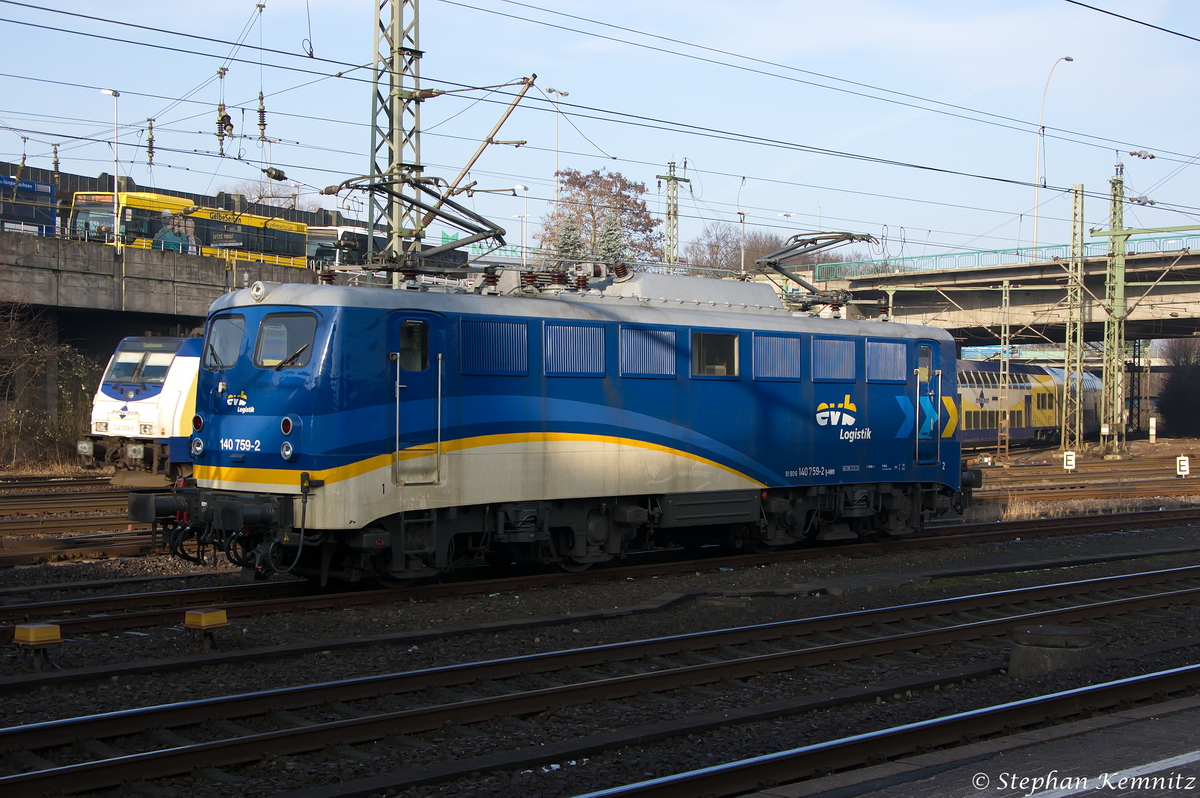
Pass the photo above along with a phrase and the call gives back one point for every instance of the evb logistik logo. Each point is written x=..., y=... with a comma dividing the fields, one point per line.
x=238, y=400
x=843, y=414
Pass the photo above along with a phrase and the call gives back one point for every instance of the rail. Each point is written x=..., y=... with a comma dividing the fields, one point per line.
x=118, y=767
x=799, y=763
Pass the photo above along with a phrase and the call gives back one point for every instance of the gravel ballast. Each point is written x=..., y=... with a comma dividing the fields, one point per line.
x=272, y=775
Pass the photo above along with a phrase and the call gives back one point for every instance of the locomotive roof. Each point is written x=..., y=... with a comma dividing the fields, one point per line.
x=641, y=299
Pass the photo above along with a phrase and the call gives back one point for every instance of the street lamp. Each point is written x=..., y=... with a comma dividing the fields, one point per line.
x=1037, y=155
x=743, y=214
x=524, y=220
x=116, y=164
x=558, y=96
x=787, y=224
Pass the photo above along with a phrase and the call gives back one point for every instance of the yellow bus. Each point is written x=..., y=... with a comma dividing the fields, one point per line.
x=159, y=221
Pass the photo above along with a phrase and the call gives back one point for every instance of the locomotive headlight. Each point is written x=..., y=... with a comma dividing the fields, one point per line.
x=287, y=451
x=147, y=429
x=197, y=447
x=197, y=422
x=100, y=426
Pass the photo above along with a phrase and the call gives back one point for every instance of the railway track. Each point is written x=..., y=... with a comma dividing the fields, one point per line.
x=61, y=512
x=1080, y=488
x=240, y=729
x=170, y=600
x=784, y=767
x=111, y=500
x=1093, y=480
x=43, y=483
x=115, y=613
x=27, y=527
x=31, y=551
x=38, y=527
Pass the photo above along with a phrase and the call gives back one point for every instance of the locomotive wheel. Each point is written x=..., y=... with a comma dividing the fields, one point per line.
x=574, y=566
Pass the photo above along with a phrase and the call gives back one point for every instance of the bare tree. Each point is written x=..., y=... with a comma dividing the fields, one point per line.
x=720, y=247
x=1180, y=351
x=590, y=198
x=46, y=389
x=269, y=192
x=1177, y=398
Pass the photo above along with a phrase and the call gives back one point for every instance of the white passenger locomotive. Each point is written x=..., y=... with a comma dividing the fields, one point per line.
x=142, y=412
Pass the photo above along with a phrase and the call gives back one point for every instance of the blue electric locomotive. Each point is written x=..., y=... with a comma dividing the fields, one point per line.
x=349, y=432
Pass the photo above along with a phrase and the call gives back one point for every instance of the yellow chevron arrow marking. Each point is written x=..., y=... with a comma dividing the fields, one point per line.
x=952, y=412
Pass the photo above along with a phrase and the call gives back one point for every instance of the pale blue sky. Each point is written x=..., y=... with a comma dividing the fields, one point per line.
x=1128, y=88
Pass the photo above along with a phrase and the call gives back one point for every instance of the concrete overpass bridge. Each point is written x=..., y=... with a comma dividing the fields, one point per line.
x=93, y=297
x=83, y=294
x=961, y=292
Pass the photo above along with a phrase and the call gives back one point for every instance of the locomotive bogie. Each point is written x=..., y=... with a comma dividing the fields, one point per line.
x=343, y=433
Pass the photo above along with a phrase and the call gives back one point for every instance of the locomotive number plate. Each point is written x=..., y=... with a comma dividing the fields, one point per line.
x=240, y=445
x=810, y=471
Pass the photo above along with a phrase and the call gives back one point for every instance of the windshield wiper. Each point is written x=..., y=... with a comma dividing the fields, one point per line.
x=290, y=357
x=213, y=353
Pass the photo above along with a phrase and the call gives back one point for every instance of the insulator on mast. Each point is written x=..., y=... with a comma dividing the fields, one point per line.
x=55, y=147
x=262, y=119
x=149, y=142
x=223, y=122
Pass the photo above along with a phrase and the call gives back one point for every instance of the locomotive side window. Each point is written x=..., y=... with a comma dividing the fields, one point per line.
x=414, y=345
x=777, y=357
x=924, y=361
x=833, y=360
x=285, y=341
x=224, y=341
x=714, y=354
x=887, y=361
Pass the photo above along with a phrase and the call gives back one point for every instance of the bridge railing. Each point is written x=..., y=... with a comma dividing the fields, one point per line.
x=997, y=257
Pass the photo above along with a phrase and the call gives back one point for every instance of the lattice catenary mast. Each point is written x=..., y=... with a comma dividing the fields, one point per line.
x=1072, y=399
x=671, y=248
x=396, y=122
x=1112, y=405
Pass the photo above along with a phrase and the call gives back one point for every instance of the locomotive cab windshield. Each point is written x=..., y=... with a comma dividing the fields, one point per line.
x=138, y=361
x=285, y=340
x=224, y=341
